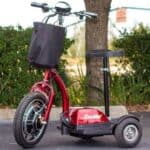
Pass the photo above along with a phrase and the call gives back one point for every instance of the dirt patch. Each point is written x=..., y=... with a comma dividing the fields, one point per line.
x=138, y=108
x=3, y=107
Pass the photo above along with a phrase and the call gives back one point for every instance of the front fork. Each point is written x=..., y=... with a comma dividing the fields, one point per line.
x=49, y=106
x=47, y=90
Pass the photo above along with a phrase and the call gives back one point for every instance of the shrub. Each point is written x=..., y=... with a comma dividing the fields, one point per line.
x=136, y=45
x=17, y=76
x=126, y=90
x=78, y=89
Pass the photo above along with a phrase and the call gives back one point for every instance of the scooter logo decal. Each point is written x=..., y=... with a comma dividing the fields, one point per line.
x=86, y=117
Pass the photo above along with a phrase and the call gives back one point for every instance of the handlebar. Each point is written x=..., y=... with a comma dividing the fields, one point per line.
x=62, y=9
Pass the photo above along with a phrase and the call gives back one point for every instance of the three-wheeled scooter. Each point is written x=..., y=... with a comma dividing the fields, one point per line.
x=33, y=112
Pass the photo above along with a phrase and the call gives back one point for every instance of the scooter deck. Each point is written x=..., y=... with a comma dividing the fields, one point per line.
x=92, y=130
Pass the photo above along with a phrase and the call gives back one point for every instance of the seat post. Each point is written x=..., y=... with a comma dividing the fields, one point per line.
x=106, y=84
x=105, y=54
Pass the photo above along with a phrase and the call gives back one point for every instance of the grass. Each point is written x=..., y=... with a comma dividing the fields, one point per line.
x=125, y=89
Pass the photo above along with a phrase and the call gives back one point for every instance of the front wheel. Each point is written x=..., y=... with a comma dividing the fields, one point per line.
x=28, y=126
x=128, y=133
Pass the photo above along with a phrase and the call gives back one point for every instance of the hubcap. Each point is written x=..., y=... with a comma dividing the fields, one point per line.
x=32, y=120
x=130, y=133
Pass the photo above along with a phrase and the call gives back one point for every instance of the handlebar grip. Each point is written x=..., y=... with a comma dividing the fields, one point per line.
x=43, y=6
x=91, y=14
x=35, y=4
x=87, y=14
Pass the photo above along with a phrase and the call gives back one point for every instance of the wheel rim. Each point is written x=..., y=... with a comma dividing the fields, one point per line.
x=32, y=125
x=130, y=133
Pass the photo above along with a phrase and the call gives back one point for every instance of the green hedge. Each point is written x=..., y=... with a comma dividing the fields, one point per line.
x=134, y=86
x=16, y=75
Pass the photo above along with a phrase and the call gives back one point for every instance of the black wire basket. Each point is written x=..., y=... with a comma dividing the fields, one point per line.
x=46, y=45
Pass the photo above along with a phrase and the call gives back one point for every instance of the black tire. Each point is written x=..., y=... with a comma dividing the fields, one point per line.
x=27, y=127
x=86, y=138
x=128, y=133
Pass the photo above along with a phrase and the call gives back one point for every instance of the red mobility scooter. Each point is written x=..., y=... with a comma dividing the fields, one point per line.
x=33, y=112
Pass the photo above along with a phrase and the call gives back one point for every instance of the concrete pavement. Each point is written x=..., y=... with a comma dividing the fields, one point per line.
x=115, y=111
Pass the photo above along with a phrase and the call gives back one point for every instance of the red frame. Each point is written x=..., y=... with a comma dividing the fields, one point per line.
x=46, y=88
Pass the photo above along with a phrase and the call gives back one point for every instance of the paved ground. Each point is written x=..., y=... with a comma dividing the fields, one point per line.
x=52, y=139
x=115, y=111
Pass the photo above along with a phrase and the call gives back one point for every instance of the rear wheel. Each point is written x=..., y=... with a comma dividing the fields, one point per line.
x=28, y=124
x=128, y=133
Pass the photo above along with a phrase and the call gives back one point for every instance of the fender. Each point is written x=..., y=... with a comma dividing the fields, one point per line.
x=117, y=121
x=42, y=87
x=122, y=118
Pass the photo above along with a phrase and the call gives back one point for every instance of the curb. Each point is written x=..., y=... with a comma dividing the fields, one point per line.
x=7, y=115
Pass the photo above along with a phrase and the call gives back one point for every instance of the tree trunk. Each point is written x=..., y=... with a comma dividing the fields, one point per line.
x=96, y=38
